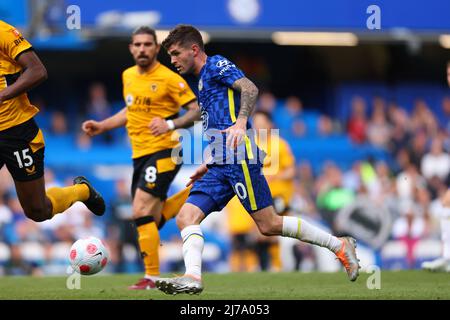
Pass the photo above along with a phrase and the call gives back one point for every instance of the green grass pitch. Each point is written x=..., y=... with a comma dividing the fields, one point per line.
x=239, y=286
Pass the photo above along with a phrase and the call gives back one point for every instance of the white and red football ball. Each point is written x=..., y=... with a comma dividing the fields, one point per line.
x=88, y=256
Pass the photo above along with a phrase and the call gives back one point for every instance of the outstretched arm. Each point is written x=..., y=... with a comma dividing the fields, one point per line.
x=34, y=73
x=187, y=120
x=160, y=126
x=93, y=128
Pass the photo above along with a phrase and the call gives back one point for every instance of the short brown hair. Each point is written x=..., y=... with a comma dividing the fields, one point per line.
x=183, y=35
x=144, y=30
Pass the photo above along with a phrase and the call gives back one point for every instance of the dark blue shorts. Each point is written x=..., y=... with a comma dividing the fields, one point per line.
x=216, y=188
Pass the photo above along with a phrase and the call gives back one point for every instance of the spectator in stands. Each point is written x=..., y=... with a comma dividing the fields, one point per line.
x=445, y=119
x=352, y=178
x=305, y=177
x=99, y=108
x=357, y=124
x=423, y=119
x=6, y=215
x=325, y=126
x=84, y=142
x=332, y=195
x=58, y=124
x=403, y=160
x=436, y=162
x=399, y=123
x=266, y=102
x=289, y=117
x=418, y=147
x=378, y=129
x=386, y=180
x=294, y=108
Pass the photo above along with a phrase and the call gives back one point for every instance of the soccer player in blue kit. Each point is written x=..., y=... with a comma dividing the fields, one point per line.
x=227, y=98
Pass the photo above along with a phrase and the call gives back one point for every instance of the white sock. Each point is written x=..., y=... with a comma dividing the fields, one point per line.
x=445, y=236
x=192, y=249
x=300, y=229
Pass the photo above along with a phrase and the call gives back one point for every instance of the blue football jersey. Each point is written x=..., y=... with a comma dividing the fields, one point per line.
x=220, y=105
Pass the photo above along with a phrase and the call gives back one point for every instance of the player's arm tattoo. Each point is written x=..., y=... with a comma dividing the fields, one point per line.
x=249, y=94
x=187, y=120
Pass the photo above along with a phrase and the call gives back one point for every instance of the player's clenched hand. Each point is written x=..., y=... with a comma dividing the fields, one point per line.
x=92, y=128
x=236, y=133
x=158, y=126
x=197, y=175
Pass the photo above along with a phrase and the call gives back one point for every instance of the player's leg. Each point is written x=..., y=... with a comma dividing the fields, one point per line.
x=152, y=177
x=210, y=193
x=146, y=214
x=40, y=205
x=173, y=205
x=35, y=204
x=270, y=224
x=255, y=195
x=188, y=221
x=23, y=147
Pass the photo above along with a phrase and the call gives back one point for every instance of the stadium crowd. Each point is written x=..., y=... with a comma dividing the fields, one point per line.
x=408, y=182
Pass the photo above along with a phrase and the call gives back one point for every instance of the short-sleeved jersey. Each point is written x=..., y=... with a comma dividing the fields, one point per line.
x=220, y=105
x=17, y=110
x=273, y=164
x=160, y=92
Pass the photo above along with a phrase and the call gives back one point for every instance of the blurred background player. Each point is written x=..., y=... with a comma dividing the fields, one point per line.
x=227, y=99
x=22, y=142
x=443, y=263
x=153, y=95
x=279, y=170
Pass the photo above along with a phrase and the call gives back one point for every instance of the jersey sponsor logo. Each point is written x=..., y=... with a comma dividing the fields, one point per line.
x=138, y=100
x=222, y=63
x=142, y=100
x=31, y=170
x=18, y=41
x=18, y=37
x=226, y=68
x=150, y=185
x=129, y=100
x=16, y=33
x=139, y=109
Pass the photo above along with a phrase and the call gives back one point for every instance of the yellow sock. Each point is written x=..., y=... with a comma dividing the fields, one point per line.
x=149, y=244
x=63, y=198
x=173, y=204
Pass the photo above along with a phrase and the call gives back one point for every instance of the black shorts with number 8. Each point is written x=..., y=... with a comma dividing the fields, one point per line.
x=155, y=172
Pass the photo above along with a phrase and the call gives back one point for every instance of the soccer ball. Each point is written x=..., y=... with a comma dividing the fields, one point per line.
x=88, y=256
